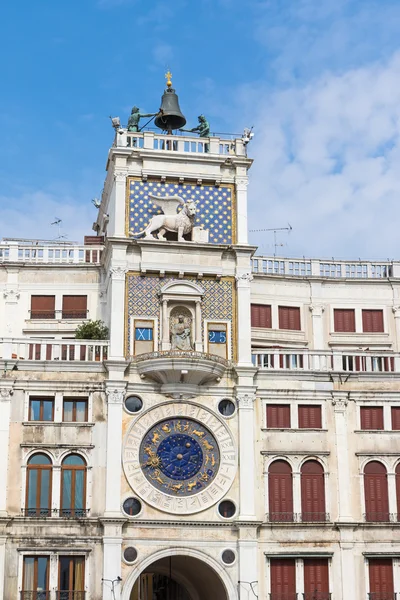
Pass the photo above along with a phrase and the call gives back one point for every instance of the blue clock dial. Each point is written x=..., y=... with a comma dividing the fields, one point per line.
x=179, y=456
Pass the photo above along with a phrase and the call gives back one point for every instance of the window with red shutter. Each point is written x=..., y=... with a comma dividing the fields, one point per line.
x=316, y=579
x=381, y=579
x=278, y=416
x=398, y=490
x=289, y=317
x=395, y=417
x=371, y=417
x=310, y=416
x=344, y=320
x=376, y=492
x=280, y=491
x=43, y=307
x=283, y=579
x=372, y=321
x=312, y=492
x=261, y=316
x=74, y=307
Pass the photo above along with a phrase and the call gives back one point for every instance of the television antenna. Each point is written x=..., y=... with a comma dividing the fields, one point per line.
x=58, y=223
x=275, y=230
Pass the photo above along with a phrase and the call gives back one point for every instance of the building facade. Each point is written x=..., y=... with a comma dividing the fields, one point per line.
x=236, y=437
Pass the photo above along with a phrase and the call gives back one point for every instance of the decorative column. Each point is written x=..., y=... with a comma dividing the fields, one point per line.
x=112, y=548
x=392, y=493
x=246, y=455
x=165, y=329
x=249, y=585
x=317, y=311
x=241, y=203
x=396, y=313
x=115, y=395
x=244, y=318
x=198, y=340
x=12, y=313
x=6, y=392
x=117, y=312
x=117, y=225
x=339, y=404
x=296, y=493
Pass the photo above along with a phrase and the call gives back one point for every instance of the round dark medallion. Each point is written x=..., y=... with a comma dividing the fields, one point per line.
x=226, y=509
x=228, y=557
x=226, y=408
x=130, y=554
x=133, y=404
x=132, y=506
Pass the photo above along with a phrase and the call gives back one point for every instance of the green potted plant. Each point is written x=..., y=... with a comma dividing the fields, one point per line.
x=92, y=330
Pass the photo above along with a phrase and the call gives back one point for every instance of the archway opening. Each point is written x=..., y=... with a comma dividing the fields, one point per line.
x=178, y=578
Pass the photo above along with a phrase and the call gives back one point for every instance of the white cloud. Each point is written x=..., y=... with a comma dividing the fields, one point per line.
x=163, y=54
x=328, y=161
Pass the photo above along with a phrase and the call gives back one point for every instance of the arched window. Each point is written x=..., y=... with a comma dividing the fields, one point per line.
x=73, y=486
x=38, y=486
x=398, y=490
x=376, y=492
x=280, y=491
x=312, y=492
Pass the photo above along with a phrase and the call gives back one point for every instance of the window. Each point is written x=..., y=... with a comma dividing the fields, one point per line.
x=396, y=417
x=261, y=316
x=280, y=491
x=312, y=492
x=144, y=334
x=35, y=578
x=283, y=579
x=73, y=486
x=344, y=320
x=75, y=410
x=372, y=321
x=381, y=579
x=38, y=486
x=71, y=578
x=41, y=409
x=289, y=317
x=74, y=307
x=316, y=579
x=376, y=492
x=278, y=416
x=310, y=416
x=371, y=417
x=43, y=307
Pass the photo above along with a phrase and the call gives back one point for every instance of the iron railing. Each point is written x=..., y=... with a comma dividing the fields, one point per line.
x=380, y=517
x=281, y=517
x=46, y=314
x=289, y=596
x=316, y=596
x=66, y=513
x=304, y=517
x=314, y=517
x=70, y=595
x=382, y=596
x=35, y=595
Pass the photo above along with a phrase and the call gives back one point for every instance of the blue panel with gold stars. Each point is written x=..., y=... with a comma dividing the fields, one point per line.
x=214, y=208
x=179, y=457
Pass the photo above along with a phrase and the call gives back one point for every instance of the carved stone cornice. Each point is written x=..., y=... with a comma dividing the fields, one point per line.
x=245, y=400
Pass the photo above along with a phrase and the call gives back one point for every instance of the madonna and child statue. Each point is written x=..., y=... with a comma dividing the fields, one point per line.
x=181, y=331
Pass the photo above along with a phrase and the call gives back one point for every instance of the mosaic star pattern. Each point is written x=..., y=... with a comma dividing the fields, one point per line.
x=143, y=298
x=214, y=208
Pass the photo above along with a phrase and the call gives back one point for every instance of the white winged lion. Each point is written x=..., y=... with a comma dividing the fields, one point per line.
x=181, y=222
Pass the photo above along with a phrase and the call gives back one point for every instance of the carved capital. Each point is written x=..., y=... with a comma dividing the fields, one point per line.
x=396, y=311
x=241, y=184
x=244, y=278
x=317, y=309
x=118, y=273
x=11, y=296
x=245, y=400
x=339, y=404
x=6, y=393
x=115, y=396
x=120, y=176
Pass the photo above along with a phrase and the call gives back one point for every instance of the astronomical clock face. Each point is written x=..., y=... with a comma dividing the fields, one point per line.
x=179, y=458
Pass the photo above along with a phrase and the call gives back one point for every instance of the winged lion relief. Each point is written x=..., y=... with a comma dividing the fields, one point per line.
x=181, y=222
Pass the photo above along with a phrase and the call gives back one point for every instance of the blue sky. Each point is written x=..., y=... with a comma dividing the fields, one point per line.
x=318, y=80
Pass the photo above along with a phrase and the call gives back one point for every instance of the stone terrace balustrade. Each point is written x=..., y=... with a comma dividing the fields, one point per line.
x=335, y=269
x=52, y=350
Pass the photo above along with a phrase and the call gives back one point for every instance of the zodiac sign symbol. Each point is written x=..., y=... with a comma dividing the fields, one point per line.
x=191, y=486
x=212, y=460
x=204, y=476
x=166, y=428
x=199, y=434
x=207, y=446
x=148, y=450
x=156, y=476
x=155, y=438
x=178, y=426
x=176, y=487
x=207, y=460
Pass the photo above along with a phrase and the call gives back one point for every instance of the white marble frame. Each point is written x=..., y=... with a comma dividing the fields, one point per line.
x=228, y=324
x=58, y=406
x=298, y=558
x=132, y=320
x=390, y=463
x=294, y=411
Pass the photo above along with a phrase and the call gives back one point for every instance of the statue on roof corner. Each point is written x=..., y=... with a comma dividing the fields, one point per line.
x=136, y=115
x=203, y=128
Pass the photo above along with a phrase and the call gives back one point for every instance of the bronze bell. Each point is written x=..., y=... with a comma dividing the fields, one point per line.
x=170, y=116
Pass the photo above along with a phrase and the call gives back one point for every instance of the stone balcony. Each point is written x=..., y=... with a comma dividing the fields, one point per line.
x=180, y=373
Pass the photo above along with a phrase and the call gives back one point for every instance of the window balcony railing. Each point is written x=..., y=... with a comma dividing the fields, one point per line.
x=314, y=517
x=66, y=513
x=317, y=596
x=382, y=596
x=380, y=517
x=305, y=517
x=70, y=595
x=35, y=595
x=288, y=596
x=47, y=314
x=62, y=350
x=40, y=253
x=281, y=517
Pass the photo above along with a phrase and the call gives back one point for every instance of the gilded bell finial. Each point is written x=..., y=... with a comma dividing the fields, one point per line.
x=168, y=77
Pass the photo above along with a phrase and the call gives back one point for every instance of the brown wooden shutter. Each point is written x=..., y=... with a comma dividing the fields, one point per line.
x=280, y=491
x=283, y=579
x=43, y=307
x=371, y=417
x=395, y=417
x=372, y=321
x=261, y=315
x=278, y=416
x=344, y=320
x=312, y=492
x=376, y=492
x=289, y=317
x=316, y=579
x=381, y=578
x=74, y=307
x=310, y=416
